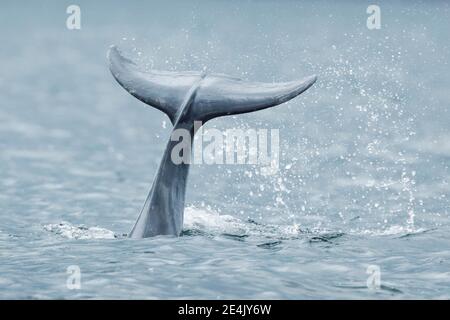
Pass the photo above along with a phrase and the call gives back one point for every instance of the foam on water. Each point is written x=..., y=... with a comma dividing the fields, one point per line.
x=208, y=222
x=211, y=221
x=70, y=231
x=196, y=221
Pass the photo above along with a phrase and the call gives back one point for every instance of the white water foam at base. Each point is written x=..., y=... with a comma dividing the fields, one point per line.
x=70, y=231
x=211, y=222
x=196, y=219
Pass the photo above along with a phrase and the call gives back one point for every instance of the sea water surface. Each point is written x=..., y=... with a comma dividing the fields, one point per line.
x=363, y=183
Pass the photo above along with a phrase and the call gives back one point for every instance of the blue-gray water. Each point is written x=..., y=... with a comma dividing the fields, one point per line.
x=364, y=173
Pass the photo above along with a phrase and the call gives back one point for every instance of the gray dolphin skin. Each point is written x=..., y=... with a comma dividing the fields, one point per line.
x=187, y=97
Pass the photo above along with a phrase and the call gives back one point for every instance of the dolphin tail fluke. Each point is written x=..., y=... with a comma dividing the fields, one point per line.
x=187, y=97
x=212, y=95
